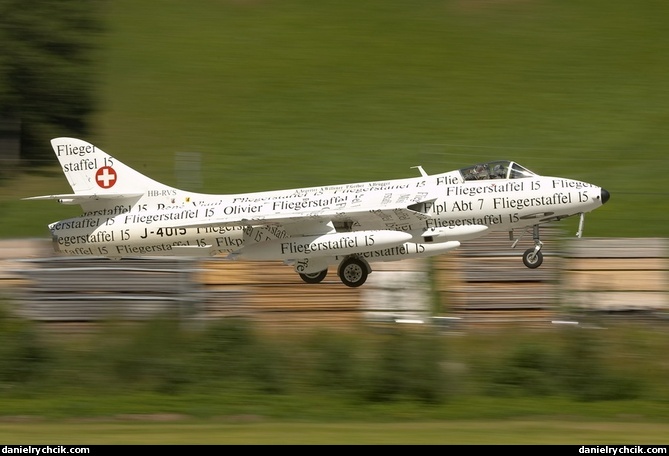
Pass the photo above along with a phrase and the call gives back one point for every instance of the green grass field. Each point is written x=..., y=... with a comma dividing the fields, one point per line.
x=296, y=93
x=159, y=387
x=522, y=432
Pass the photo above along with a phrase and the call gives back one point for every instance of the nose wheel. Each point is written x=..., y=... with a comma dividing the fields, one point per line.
x=532, y=258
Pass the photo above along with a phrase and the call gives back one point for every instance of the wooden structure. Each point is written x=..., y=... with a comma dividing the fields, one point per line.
x=614, y=275
x=91, y=290
x=272, y=294
x=482, y=283
x=485, y=281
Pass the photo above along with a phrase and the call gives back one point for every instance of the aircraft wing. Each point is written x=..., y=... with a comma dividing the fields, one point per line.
x=388, y=218
x=307, y=222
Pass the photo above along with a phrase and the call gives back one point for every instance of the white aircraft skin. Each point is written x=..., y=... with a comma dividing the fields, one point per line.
x=127, y=214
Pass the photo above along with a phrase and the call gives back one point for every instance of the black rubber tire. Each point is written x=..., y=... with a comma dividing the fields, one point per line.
x=353, y=272
x=315, y=277
x=533, y=260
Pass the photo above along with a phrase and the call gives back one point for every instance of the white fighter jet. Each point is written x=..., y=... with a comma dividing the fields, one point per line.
x=126, y=214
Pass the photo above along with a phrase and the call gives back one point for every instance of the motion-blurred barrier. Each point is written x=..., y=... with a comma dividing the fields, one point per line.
x=271, y=293
x=87, y=290
x=617, y=275
x=483, y=283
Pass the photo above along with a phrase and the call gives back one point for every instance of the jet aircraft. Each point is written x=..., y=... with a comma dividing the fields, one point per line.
x=127, y=214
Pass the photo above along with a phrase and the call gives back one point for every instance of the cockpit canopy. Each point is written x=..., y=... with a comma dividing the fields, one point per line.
x=499, y=169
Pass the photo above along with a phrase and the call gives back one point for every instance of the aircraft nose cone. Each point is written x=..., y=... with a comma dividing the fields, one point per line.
x=605, y=196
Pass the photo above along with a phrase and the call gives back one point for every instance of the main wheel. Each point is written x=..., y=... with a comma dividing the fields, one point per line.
x=314, y=277
x=353, y=272
x=533, y=259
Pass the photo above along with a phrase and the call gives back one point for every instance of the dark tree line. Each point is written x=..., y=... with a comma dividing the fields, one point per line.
x=47, y=71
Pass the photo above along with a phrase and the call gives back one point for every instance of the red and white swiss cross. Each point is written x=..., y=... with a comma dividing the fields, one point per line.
x=105, y=177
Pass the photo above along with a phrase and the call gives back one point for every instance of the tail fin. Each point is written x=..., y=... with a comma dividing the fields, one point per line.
x=95, y=175
x=89, y=170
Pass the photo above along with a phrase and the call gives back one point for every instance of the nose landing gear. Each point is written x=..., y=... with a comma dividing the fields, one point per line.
x=532, y=258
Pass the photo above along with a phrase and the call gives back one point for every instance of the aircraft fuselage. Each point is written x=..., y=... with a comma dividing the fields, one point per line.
x=127, y=214
x=156, y=225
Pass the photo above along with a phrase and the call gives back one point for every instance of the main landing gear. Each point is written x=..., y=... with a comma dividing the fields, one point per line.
x=314, y=277
x=352, y=271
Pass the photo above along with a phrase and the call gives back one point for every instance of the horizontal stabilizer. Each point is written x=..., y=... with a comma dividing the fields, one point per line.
x=78, y=198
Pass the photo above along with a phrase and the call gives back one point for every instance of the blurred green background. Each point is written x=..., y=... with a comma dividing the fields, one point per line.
x=231, y=381
x=293, y=93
